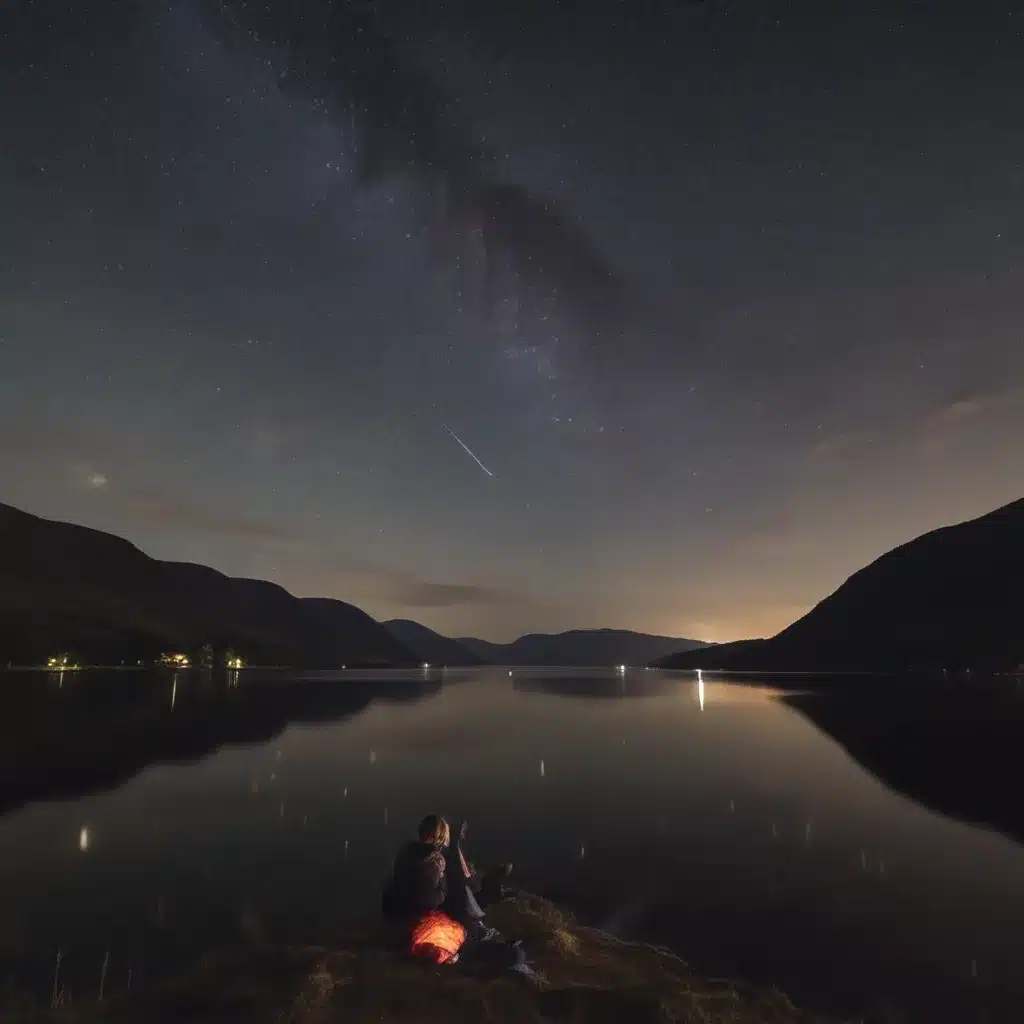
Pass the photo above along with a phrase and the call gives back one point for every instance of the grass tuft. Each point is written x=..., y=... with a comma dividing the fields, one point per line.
x=586, y=976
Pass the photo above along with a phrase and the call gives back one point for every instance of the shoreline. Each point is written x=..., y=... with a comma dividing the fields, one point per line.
x=586, y=975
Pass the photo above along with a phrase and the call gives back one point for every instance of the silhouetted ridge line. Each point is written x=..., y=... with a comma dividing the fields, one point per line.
x=950, y=600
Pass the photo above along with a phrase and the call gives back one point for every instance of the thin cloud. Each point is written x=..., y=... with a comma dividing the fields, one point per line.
x=154, y=506
x=837, y=444
x=957, y=410
x=426, y=594
x=88, y=477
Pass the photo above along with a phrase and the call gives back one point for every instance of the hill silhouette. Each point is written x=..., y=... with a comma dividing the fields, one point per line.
x=429, y=646
x=580, y=647
x=951, y=599
x=67, y=588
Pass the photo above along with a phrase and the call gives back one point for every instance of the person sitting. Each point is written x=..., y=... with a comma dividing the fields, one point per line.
x=419, y=882
x=430, y=897
x=417, y=891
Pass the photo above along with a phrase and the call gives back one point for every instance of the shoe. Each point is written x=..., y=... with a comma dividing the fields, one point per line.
x=479, y=932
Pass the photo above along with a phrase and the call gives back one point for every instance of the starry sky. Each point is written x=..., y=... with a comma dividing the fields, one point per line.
x=518, y=315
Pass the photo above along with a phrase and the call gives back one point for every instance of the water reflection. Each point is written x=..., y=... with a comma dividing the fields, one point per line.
x=595, y=684
x=63, y=742
x=710, y=817
x=953, y=747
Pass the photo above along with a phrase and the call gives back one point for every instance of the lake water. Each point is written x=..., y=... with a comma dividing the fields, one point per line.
x=155, y=819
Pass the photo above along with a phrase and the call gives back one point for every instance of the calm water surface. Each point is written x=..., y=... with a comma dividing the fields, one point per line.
x=157, y=819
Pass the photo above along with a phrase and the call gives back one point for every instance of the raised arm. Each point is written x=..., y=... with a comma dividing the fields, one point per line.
x=459, y=835
x=434, y=884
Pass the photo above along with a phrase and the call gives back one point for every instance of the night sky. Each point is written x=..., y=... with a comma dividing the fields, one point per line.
x=725, y=297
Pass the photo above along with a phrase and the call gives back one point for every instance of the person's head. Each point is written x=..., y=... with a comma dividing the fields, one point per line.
x=435, y=830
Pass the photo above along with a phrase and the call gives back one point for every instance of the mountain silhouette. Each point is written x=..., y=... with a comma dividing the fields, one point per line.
x=67, y=588
x=579, y=647
x=951, y=599
x=431, y=647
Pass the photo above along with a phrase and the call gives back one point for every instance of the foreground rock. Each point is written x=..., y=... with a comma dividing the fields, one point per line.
x=587, y=976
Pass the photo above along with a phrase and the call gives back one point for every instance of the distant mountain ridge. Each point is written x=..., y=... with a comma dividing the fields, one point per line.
x=580, y=647
x=67, y=588
x=951, y=599
x=431, y=647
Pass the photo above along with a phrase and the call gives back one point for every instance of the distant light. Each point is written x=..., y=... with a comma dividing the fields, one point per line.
x=510, y=673
x=426, y=664
x=542, y=772
x=83, y=840
x=700, y=689
x=622, y=670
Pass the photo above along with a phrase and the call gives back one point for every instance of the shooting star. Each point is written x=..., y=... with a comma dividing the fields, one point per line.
x=468, y=452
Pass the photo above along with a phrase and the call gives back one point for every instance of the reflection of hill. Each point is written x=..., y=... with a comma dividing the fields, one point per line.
x=95, y=734
x=955, y=749
x=598, y=687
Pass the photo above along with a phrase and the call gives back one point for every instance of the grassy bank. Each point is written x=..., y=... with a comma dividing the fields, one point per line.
x=587, y=976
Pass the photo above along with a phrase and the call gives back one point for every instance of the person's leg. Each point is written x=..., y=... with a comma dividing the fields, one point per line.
x=491, y=957
x=461, y=903
x=473, y=910
x=490, y=889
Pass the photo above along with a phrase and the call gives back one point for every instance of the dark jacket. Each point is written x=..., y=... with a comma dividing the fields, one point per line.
x=417, y=884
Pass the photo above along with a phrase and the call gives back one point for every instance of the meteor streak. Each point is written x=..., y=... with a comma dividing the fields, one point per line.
x=468, y=452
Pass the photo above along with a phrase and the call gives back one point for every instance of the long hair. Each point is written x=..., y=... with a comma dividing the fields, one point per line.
x=435, y=830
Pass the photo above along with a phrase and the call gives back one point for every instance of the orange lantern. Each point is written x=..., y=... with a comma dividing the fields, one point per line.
x=438, y=937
